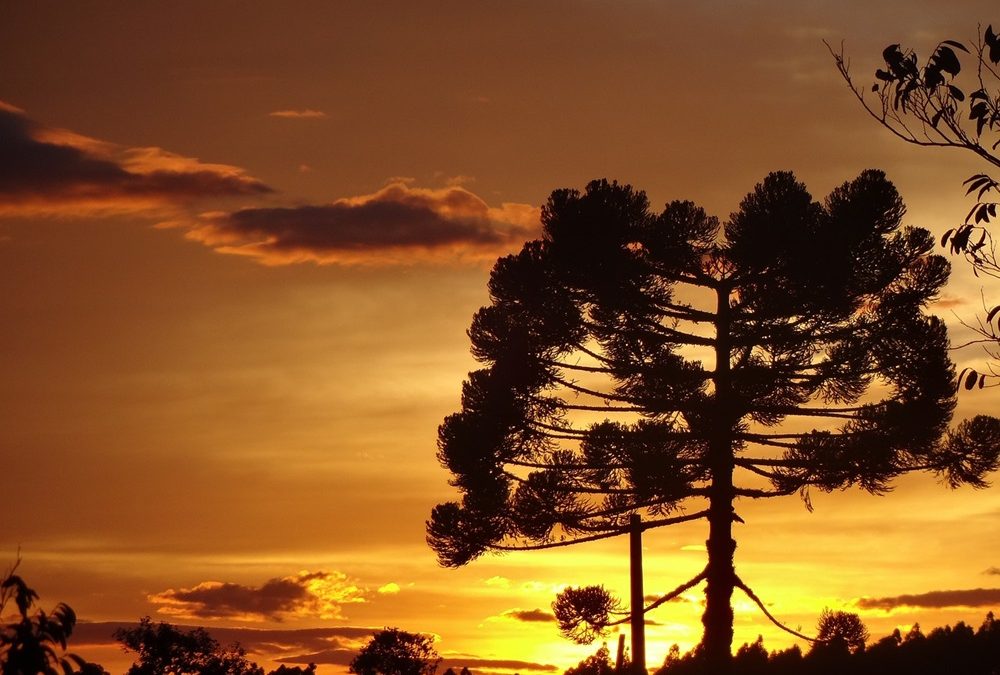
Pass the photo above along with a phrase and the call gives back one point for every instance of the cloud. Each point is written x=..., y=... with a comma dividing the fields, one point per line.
x=992, y=570
x=343, y=657
x=498, y=582
x=298, y=114
x=397, y=224
x=313, y=594
x=541, y=587
x=337, y=657
x=529, y=615
x=950, y=302
x=654, y=598
x=976, y=597
x=496, y=664
x=51, y=171
x=390, y=588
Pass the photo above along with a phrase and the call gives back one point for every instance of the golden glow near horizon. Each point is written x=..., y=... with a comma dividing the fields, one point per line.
x=236, y=286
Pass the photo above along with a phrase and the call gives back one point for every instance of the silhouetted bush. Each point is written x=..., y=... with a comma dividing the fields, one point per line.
x=163, y=648
x=35, y=643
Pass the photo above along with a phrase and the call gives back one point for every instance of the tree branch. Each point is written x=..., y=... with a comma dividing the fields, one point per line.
x=668, y=597
x=753, y=596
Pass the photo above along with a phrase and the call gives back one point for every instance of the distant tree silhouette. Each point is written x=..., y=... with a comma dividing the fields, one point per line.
x=598, y=663
x=163, y=648
x=840, y=631
x=294, y=670
x=396, y=652
x=638, y=362
x=93, y=669
x=35, y=642
x=751, y=658
x=931, y=104
x=839, y=635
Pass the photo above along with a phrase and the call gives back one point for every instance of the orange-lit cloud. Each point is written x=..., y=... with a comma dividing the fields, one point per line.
x=317, y=594
x=975, y=597
x=397, y=224
x=992, y=570
x=54, y=171
x=306, y=114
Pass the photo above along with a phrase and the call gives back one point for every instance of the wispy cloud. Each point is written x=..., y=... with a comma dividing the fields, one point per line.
x=343, y=657
x=54, y=171
x=497, y=664
x=336, y=657
x=976, y=597
x=315, y=594
x=306, y=114
x=652, y=597
x=45, y=170
x=397, y=224
x=992, y=570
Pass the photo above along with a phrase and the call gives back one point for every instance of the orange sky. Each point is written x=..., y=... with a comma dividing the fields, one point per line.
x=220, y=409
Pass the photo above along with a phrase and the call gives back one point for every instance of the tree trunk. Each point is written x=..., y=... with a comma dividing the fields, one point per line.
x=717, y=640
x=718, y=617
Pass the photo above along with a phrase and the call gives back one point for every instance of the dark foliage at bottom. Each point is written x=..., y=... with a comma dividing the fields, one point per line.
x=950, y=650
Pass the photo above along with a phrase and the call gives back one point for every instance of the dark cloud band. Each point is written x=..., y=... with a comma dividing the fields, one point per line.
x=324, y=646
x=976, y=597
x=530, y=615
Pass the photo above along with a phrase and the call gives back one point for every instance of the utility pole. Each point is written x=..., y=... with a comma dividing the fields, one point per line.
x=637, y=601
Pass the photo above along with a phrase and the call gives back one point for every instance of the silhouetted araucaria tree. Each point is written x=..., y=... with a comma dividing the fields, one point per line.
x=644, y=363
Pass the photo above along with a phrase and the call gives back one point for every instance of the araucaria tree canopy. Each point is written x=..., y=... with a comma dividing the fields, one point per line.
x=638, y=362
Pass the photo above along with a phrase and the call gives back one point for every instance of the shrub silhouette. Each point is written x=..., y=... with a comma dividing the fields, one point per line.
x=36, y=642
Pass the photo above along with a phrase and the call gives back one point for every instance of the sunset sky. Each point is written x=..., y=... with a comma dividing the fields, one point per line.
x=241, y=243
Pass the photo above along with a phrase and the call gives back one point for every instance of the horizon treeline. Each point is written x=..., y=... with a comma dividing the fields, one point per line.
x=946, y=650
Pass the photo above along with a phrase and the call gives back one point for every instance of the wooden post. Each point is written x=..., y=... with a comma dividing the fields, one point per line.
x=620, y=657
x=637, y=602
